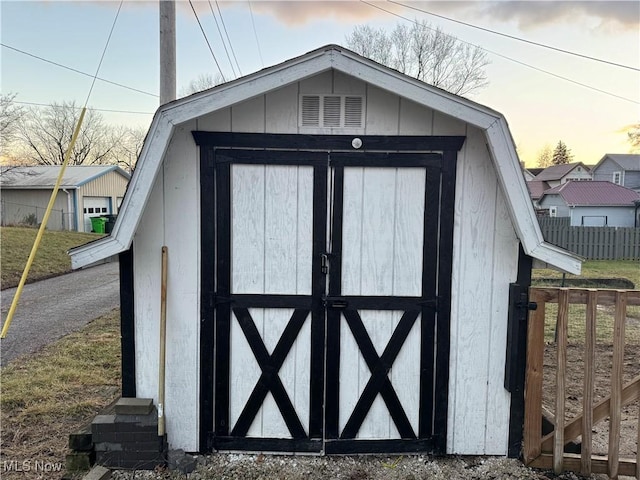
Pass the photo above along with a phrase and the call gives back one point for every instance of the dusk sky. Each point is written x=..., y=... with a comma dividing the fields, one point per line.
x=540, y=107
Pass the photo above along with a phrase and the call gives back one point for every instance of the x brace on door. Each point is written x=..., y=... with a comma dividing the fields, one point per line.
x=269, y=380
x=379, y=381
x=320, y=430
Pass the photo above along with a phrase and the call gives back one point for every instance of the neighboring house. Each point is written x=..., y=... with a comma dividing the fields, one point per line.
x=558, y=174
x=536, y=190
x=594, y=203
x=316, y=214
x=553, y=176
x=85, y=192
x=530, y=173
x=618, y=168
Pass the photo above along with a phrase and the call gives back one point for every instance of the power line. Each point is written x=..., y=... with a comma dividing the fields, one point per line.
x=80, y=108
x=512, y=59
x=207, y=40
x=255, y=33
x=75, y=70
x=222, y=39
x=524, y=40
x=228, y=38
x=104, y=51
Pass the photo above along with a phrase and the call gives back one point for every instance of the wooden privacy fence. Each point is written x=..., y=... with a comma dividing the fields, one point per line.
x=548, y=451
x=593, y=243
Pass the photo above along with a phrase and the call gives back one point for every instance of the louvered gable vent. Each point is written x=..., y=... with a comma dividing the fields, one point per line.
x=353, y=111
x=331, y=111
x=310, y=111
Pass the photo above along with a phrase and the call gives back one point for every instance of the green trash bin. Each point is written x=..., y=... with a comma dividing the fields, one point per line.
x=97, y=224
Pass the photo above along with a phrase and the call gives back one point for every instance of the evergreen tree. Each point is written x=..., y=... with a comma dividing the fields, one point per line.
x=561, y=154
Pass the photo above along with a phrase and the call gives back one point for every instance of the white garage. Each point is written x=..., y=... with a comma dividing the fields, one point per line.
x=94, y=207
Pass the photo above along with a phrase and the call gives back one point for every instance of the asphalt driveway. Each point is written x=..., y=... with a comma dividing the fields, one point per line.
x=55, y=307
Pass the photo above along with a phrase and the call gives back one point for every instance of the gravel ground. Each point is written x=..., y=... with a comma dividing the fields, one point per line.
x=414, y=467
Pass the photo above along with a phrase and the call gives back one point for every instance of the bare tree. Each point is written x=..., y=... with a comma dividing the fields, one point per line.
x=545, y=157
x=127, y=151
x=633, y=136
x=10, y=116
x=426, y=53
x=45, y=134
x=201, y=82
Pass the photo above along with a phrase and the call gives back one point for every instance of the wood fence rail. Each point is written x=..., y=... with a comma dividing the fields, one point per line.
x=549, y=451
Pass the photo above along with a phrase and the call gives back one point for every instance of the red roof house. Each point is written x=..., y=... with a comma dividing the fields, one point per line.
x=595, y=203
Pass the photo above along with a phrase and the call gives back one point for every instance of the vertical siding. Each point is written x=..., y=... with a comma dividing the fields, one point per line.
x=382, y=112
x=112, y=185
x=171, y=218
x=17, y=205
x=478, y=405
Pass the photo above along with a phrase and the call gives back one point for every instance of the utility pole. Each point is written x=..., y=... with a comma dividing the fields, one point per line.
x=167, y=51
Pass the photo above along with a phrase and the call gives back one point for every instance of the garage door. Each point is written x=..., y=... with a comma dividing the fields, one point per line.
x=94, y=207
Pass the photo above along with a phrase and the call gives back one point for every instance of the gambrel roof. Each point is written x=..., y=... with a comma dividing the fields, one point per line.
x=492, y=123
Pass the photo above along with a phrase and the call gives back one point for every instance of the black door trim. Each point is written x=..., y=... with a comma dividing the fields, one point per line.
x=215, y=288
x=325, y=143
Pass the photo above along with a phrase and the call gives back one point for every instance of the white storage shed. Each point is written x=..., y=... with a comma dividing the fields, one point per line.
x=342, y=244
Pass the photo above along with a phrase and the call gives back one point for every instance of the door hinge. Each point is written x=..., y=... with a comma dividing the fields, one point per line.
x=525, y=304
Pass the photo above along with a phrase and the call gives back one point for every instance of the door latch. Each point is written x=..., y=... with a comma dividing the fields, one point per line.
x=324, y=263
x=335, y=302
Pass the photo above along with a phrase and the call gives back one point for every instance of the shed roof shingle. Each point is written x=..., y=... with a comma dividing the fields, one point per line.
x=537, y=188
x=45, y=177
x=556, y=172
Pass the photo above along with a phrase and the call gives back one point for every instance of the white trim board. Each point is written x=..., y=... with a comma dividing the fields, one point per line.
x=498, y=138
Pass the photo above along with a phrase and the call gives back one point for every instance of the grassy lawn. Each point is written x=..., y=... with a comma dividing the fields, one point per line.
x=628, y=269
x=52, y=258
x=47, y=396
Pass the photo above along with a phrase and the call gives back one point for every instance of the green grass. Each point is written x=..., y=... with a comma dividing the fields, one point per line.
x=52, y=258
x=51, y=394
x=629, y=270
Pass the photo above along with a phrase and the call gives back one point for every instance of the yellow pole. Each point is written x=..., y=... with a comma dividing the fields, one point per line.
x=43, y=225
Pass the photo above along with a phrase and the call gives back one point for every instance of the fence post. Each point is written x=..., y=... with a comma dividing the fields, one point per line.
x=533, y=380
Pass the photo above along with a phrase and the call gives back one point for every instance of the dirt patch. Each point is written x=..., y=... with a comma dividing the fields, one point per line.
x=574, y=391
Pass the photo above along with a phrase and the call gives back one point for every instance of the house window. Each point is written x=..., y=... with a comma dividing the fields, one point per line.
x=553, y=211
x=594, y=221
x=617, y=178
